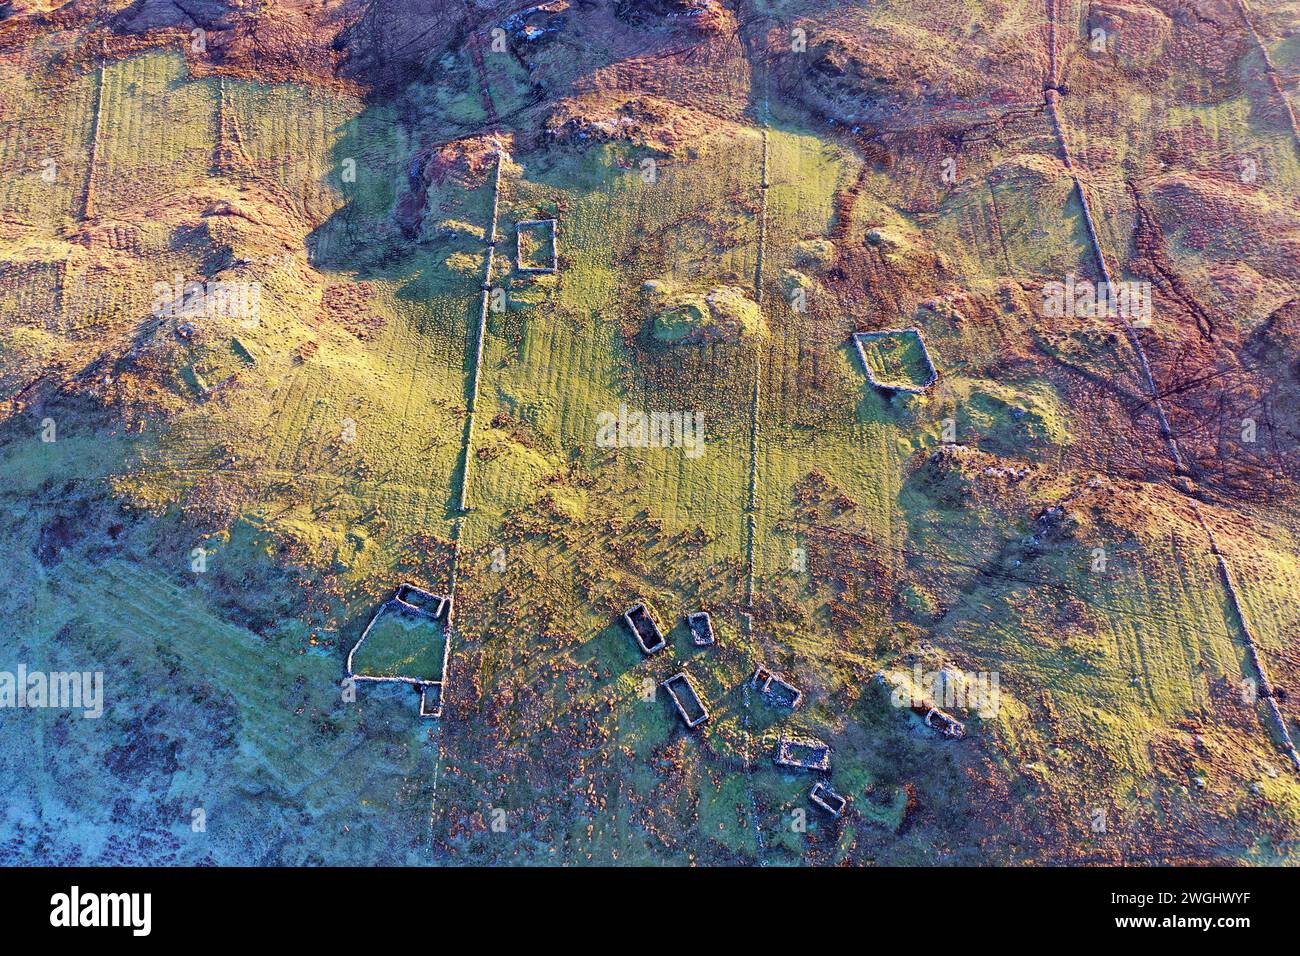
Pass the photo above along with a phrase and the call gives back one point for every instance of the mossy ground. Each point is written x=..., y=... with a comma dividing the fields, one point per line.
x=401, y=644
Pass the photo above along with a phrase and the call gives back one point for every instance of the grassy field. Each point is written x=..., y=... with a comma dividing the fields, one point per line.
x=224, y=506
x=401, y=644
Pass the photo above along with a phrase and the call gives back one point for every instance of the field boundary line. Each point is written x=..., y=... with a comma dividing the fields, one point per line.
x=1051, y=95
x=489, y=242
x=752, y=505
x=1270, y=71
x=480, y=334
x=88, y=200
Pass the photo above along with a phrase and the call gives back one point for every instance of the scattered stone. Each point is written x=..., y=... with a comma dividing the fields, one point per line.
x=537, y=23
x=688, y=317
x=814, y=253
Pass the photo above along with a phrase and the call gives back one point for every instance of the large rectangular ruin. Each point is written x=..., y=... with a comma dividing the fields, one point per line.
x=406, y=641
x=775, y=689
x=648, y=636
x=687, y=701
x=803, y=753
x=896, y=360
x=701, y=626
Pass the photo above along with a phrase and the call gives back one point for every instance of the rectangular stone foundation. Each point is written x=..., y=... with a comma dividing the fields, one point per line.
x=827, y=799
x=701, y=626
x=803, y=753
x=687, y=701
x=648, y=636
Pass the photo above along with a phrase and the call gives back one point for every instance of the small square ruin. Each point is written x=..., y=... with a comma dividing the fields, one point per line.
x=701, y=626
x=775, y=689
x=942, y=721
x=827, y=799
x=537, y=245
x=418, y=599
x=431, y=699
